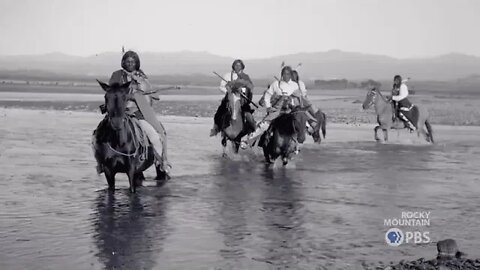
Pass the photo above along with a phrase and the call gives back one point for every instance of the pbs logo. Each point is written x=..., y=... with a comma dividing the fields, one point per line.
x=395, y=237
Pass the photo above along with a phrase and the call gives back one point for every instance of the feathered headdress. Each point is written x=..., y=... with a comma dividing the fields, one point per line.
x=299, y=65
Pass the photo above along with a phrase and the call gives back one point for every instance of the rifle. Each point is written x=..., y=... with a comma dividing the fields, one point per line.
x=103, y=108
x=241, y=94
x=162, y=89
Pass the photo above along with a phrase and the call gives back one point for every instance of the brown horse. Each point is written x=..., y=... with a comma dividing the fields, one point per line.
x=234, y=125
x=383, y=109
x=283, y=135
x=115, y=144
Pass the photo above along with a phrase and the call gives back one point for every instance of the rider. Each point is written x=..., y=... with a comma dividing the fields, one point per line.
x=305, y=103
x=155, y=131
x=279, y=98
x=232, y=80
x=401, y=104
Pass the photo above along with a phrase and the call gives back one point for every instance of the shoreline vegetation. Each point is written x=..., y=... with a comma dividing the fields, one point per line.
x=340, y=106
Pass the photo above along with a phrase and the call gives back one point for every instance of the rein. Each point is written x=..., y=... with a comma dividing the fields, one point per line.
x=135, y=143
x=387, y=104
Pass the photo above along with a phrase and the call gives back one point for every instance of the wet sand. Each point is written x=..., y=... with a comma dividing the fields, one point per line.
x=325, y=209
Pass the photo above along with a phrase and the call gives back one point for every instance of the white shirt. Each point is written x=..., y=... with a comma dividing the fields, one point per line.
x=282, y=89
x=403, y=93
x=303, y=89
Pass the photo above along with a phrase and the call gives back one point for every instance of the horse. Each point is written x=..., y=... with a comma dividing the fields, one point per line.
x=318, y=123
x=234, y=124
x=115, y=141
x=384, y=111
x=283, y=135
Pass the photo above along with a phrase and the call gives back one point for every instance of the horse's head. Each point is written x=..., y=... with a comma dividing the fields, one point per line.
x=370, y=98
x=300, y=124
x=116, y=97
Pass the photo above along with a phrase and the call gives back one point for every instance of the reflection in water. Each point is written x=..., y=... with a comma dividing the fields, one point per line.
x=326, y=210
x=283, y=214
x=232, y=221
x=129, y=229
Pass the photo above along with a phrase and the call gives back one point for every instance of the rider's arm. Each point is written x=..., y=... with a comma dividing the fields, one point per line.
x=143, y=84
x=303, y=89
x=223, y=83
x=403, y=93
x=268, y=95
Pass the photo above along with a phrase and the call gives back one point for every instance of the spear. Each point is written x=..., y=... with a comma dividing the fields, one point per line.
x=241, y=94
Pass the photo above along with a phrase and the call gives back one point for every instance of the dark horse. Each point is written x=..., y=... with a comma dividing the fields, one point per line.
x=234, y=123
x=383, y=109
x=115, y=141
x=283, y=135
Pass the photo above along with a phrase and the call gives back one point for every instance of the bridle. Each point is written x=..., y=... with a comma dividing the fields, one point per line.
x=373, y=96
x=135, y=143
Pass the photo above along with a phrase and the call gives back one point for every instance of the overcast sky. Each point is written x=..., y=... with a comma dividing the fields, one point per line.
x=242, y=28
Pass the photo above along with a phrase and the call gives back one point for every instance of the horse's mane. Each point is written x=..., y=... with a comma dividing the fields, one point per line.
x=380, y=94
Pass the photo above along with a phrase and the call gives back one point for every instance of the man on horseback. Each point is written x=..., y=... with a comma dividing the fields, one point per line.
x=235, y=80
x=281, y=96
x=313, y=113
x=401, y=105
x=139, y=107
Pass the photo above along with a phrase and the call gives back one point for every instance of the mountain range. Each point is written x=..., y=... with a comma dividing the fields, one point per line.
x=318, y=65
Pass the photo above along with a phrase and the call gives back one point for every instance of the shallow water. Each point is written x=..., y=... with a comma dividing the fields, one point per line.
x=325, y=209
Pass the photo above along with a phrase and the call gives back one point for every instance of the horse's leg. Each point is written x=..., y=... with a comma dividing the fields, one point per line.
x=236, y=146
x=285, y=160
x=224, y=144
x=421, y=125
x=266, y=155
x=162, y=177
x=110, y=176
x=385, y=134
x=286, y=156
x=131, y=178
x=139, y=178
x=376, y=133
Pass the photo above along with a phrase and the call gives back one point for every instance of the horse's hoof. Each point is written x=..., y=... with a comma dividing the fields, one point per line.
x=162, y=179
x=161, y=183
x=224, y=155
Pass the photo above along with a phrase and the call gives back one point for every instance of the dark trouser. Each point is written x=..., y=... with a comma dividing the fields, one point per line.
x=249, y=122
x=395, y=110
x=404, y=116
x=221, y=111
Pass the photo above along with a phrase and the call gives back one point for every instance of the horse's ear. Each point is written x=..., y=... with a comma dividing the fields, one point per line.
x=104, y=86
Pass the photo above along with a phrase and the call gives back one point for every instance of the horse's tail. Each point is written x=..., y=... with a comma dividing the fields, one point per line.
x=429, y=130
x=324, y=125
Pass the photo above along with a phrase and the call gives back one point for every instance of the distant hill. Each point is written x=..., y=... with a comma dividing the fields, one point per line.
x=333, y=64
